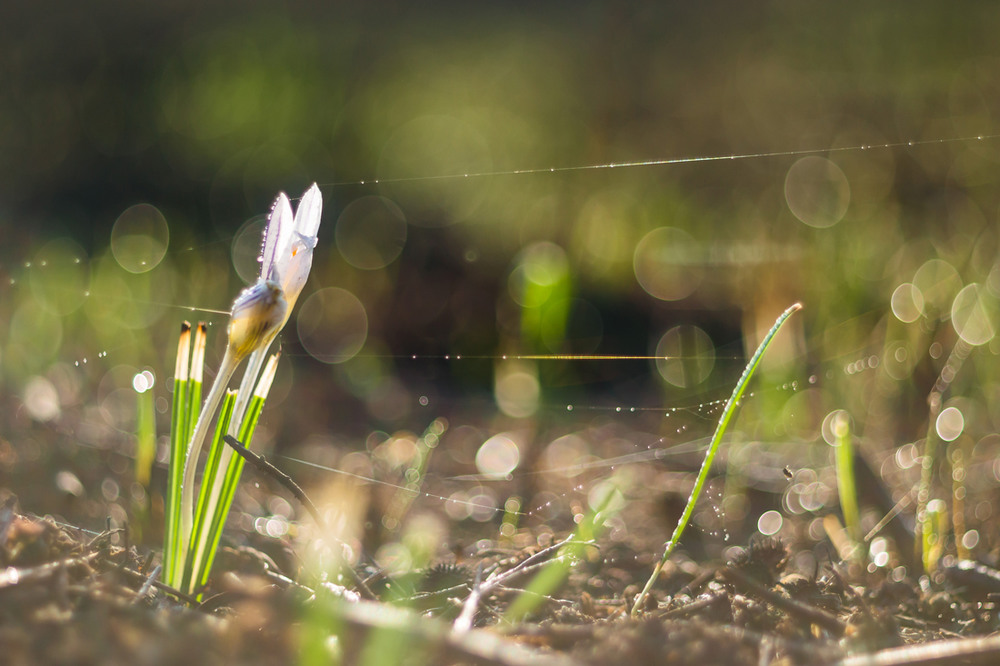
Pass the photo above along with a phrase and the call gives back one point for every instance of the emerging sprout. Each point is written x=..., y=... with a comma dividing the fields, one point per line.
x=257, y=316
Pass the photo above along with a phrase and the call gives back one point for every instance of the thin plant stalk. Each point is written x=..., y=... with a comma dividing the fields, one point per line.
x=211, y=470
x=958, y=494
x=928, y=463
x=934, y=533
x=218, y=390
x=713, y=447
x=219, y=490
x=414, y=475
x=846, y=486
x=257, y=315
x=145, y=431
x=197, y=379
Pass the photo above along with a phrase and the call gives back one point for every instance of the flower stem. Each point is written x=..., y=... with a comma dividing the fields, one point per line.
x=226, y=370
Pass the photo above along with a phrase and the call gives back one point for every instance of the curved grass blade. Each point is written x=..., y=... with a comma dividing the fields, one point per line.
x=713, y=447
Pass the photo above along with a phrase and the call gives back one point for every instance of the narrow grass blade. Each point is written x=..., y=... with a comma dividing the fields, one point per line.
x=178, y=420
x=234, y=471
x=223, y=471
x=197, y=376
x=211, y=470
x=196, y=543
x=846, y=487
x=552, y=576
x=219, y=388
x=713, y=447
x=414, y=475
x=145, y=431
x=929, y=460
x=958, y=494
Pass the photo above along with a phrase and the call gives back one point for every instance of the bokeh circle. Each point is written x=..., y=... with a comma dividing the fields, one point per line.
x=817, y=191
x=139, y=238
x=332, y=325
x=371, y=232
x=666, y=264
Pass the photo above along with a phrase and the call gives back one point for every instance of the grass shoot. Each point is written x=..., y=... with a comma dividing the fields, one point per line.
x=846, y=486
x=727, y=414
x=554, y=572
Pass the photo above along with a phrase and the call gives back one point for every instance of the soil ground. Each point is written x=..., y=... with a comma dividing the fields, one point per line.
x=84, y=596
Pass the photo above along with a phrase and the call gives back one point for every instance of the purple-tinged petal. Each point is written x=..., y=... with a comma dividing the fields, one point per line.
x=280, y=224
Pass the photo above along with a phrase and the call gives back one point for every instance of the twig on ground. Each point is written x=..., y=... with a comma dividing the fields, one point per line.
x=482, y=588
x=159, y=585
x=464, y=621
x=13, y=576
x=691, y=608
x=478, y=646
x=814, y=615
x=963, y=650
x=144, y=590
x=103, y=536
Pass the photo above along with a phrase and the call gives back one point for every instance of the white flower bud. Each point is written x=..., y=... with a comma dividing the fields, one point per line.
x=289, y=241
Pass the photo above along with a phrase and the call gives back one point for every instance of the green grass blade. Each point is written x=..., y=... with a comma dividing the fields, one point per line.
x=145, y=430
x=193, y=408
x=178, y=442
x=554, y=574
x=414, y=475
x=207, y=479
x=846, y=487
x=713, y=447
x=231, y=479
x=223, y=470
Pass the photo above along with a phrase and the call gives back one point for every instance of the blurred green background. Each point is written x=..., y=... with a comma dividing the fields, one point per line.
x=141, y=144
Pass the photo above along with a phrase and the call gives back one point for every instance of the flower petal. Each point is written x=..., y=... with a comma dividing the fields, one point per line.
x=280, y=224
x=309, y=212
x=293, y=261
